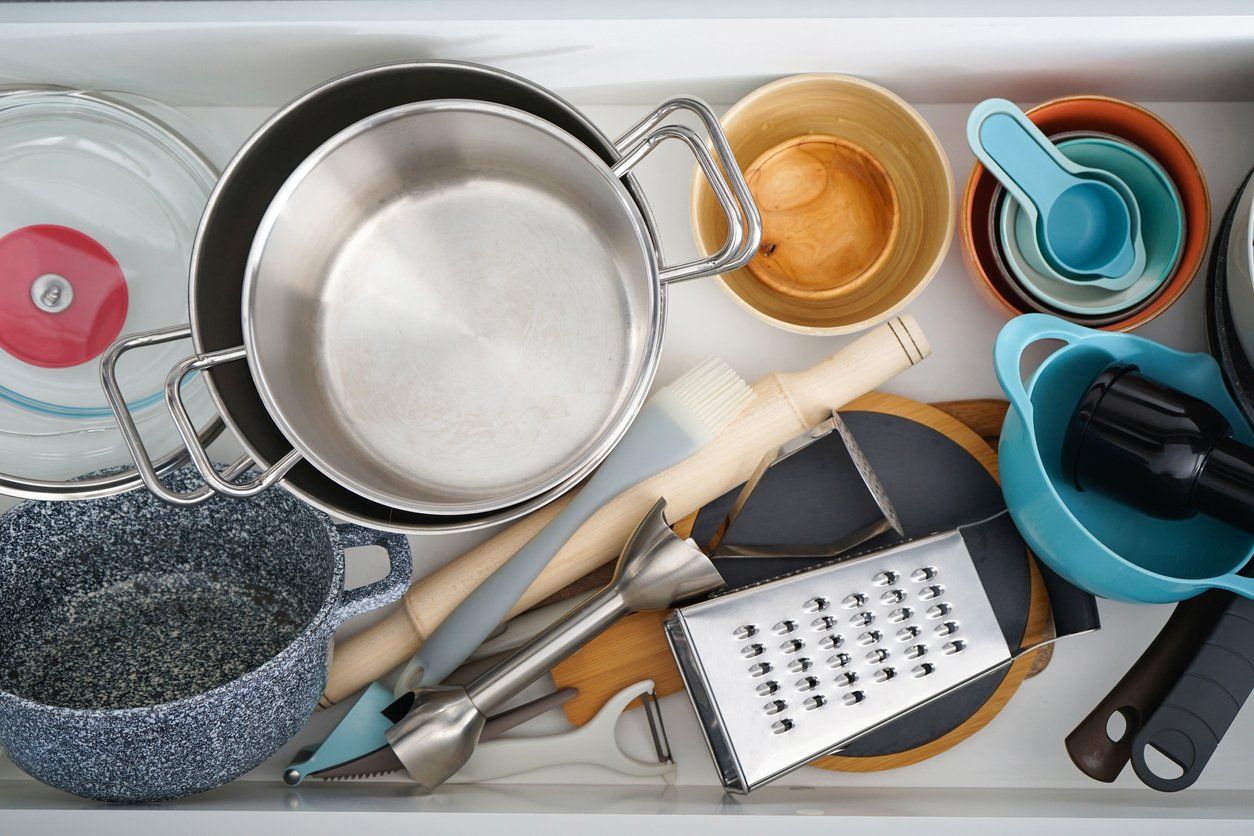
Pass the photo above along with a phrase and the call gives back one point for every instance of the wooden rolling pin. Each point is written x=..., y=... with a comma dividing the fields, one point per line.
x=786, y=404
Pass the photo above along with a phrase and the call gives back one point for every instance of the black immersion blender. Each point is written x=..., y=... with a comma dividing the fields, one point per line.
x=1171, y=455
x=1163, y=452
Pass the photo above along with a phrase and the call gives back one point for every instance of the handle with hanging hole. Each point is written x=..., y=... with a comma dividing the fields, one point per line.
x=1195, y=714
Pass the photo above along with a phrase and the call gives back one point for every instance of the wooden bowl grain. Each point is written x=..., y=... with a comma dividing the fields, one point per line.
x=830, y=217
x=885, y=127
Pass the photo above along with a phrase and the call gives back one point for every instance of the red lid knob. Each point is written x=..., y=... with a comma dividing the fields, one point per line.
x=63, y=297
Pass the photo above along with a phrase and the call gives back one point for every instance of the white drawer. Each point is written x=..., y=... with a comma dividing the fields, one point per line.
x=226, y=66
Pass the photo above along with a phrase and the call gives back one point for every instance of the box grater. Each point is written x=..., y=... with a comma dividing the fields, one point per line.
x=786, y=671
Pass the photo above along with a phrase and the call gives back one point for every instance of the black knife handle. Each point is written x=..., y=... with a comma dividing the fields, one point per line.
x=1142, y=689
x=1196, y=713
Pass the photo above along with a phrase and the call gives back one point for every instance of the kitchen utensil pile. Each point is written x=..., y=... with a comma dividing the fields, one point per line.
x=430, y=297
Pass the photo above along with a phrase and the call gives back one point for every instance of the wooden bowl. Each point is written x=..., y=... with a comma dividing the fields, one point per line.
x=830, y=217
x=883, y=126
x=1095, y=114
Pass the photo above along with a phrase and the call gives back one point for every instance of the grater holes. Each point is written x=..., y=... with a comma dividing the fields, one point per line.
x=853, y=600
x=746, y=631
x=877, y=655
x=886, y=578
x=862, y=619
x=807, y=683
x=910, y=631
x=893, y=596
x=800, y=665
x=925, y=669
x=785, y=627
x=816, y=604
x=816, y=701
x=939, y=610
x=955, y=646
x=853, y=698
x=884, y=674
x=774, y=707
x=760, y=669
x=927, y=593
x=751, y=650
x=915, y=651
x=831, y=642
x=840, y=660
x=947, y=629
x=900, y=614
x=792, y=646
x=870, y=637
x=781, y=726
x=923, y=574
x=766, y=689
x=823, y=622
x=845, y=679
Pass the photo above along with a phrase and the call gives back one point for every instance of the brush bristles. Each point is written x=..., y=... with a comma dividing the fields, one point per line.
x=712, y=393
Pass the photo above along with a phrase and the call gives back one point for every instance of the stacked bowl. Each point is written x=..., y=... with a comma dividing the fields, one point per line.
x=856, y=199
x=1168, y=195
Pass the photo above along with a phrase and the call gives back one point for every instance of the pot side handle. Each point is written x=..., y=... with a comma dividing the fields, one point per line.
x=382, y=592
x=150, y=473
x=744, y=224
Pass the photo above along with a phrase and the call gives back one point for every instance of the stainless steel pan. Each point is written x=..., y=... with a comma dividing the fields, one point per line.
x=246, y=190
x=452, y=306
x=219, y=256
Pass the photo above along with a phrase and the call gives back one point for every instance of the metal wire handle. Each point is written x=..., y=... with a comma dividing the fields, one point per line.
x=744, y=224
x=150, y=474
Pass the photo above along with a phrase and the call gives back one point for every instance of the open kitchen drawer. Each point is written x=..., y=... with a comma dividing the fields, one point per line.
x=226, y=66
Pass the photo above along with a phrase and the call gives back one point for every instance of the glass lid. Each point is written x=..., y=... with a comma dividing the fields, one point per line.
x=99, y=206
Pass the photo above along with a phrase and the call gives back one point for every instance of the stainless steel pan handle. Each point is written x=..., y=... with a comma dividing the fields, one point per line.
x=225, y=483
x=150, y=474
x=744, y=224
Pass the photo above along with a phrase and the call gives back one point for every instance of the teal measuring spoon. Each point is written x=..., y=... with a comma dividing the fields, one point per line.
x=1087, y=221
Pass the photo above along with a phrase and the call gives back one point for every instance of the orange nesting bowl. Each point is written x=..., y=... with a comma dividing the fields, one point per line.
x=1127, y=121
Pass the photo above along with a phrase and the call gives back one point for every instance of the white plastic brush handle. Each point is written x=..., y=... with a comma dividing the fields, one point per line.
x=659, y=438
x=594, y=743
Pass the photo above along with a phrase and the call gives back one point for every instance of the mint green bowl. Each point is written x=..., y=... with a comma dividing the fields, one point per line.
x=1162, y=225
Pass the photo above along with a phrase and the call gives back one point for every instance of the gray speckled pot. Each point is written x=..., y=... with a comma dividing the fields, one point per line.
x=149, y=652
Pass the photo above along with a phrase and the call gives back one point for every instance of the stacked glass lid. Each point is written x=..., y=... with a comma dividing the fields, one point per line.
x=99, y=205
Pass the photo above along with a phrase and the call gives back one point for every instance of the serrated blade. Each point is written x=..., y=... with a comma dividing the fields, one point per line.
x=381, y=761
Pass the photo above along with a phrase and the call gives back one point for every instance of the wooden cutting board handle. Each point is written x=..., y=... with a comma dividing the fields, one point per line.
x=785, y=405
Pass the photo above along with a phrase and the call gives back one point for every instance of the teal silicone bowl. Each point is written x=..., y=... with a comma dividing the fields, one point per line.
x=1097, y=543
x=1162, y=225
